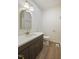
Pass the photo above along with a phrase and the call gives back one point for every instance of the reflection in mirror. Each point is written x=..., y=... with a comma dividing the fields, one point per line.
x=25, y=21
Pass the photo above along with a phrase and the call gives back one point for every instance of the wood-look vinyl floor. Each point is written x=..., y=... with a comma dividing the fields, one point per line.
x=53, y=51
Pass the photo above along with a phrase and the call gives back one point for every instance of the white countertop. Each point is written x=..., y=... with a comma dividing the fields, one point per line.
x=23, y=38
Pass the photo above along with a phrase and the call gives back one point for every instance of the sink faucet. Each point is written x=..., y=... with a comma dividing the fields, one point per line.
x=27, y=33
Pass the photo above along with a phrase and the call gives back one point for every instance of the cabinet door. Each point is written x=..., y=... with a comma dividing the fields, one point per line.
x=35, y=49
x=23, y=54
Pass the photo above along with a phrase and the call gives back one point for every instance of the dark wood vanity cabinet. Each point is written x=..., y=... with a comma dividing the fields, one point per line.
x=31, y=49
x=23, y=54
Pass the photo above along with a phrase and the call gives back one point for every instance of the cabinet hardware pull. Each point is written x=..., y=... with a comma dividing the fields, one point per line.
x=21, y=56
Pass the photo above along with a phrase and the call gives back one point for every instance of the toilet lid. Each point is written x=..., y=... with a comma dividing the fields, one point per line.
x=46, y=37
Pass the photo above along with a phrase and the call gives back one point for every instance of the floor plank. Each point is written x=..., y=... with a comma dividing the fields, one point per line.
x=53, y=51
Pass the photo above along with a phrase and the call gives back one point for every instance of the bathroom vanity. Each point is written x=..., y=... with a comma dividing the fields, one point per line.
x=29, y=46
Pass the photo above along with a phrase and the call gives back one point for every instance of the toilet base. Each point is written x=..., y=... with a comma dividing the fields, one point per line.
x=46, y=42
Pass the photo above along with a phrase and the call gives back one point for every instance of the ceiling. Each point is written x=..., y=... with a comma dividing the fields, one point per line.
x=46, y=4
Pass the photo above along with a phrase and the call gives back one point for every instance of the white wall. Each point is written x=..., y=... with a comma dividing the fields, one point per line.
x=51, y=23
x=36, y=16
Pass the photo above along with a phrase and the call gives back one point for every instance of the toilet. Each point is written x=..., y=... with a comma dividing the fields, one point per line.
x=46, y=40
